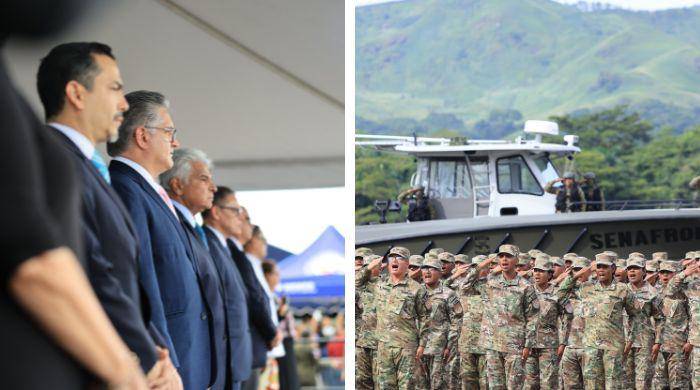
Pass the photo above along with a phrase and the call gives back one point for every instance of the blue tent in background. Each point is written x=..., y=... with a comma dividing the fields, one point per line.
x=315, y=276
x=276, y=253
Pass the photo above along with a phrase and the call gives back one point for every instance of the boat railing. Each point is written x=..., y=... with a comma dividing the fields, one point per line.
x=635, y=204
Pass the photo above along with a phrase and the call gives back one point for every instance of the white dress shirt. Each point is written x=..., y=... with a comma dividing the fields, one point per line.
x=80, y=140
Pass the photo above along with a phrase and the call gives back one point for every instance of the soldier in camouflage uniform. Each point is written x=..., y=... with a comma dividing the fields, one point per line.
x=471, y=355
x=436, y=251
x=641, y=350
x=366, y=289
x=523, y=262
x=401, y=318
x=671, y=365
x=571, y=368
x=445, y=313
x=621, y=271
x=415, y=262
x=360, y=254
x=603, y=302
x=447, y=260
x=688, y=283
x=569, y=259
x=558, y=266
x=542, y=367
x=509, y=325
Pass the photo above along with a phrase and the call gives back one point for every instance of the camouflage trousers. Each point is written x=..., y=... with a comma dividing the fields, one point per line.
x=504, y=370
x=572, y=368
x=542, y=369
x=473, y=367
x=453, y=374
x=639, y=369
x=695, y=367
x=431, y=373
x=365, y=368
x=671, y=371
x=603, y=369
x=396, y=367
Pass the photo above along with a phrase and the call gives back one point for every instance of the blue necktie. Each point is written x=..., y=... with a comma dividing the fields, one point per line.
x=200, y=232
x=99, y=163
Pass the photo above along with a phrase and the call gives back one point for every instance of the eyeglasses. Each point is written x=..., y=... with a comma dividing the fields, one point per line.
x=236, y=210
x=169, y=130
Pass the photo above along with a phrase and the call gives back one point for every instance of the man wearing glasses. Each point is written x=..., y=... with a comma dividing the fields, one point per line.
x=167, y=267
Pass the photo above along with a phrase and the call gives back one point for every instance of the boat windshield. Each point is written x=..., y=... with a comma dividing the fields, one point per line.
x=547, y=170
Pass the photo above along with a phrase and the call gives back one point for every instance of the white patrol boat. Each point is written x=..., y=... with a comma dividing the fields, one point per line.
x=487, y=193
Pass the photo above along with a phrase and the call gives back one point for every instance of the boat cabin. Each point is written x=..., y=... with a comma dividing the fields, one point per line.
x=475, y=178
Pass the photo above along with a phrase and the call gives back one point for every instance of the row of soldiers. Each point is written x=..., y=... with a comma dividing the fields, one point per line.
x=515, y=320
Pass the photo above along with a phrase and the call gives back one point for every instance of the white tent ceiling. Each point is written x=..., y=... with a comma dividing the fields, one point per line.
x=257, y=84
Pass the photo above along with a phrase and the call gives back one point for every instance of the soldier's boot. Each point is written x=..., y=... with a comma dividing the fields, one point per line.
x=572, y=369
x=363, y=369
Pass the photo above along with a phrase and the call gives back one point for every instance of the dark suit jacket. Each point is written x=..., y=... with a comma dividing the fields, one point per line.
x=213, y=292
x=169, y=277
x=240, y=342
x=40, y=204
x=111, y=250
x=263, y=330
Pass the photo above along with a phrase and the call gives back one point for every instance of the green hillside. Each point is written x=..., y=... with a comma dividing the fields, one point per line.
x=540, y=58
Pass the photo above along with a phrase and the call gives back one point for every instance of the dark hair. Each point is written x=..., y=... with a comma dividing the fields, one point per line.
x=143, y=111
x=221, y=193
x=268, y=266
x=64, y=63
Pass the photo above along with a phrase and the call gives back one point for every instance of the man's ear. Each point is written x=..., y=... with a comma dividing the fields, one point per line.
x=176, y=186
x=141, y=137
x=75, y=95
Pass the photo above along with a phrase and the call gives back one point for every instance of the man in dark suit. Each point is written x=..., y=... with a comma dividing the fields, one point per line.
x=167, y=267
x=80, y=86
x=264, y=333
x=221, y=222
x=190, y=186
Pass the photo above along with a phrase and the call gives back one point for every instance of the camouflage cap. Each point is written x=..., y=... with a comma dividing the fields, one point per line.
x=570, y=256
x=363, y=251
x=368, y=259
x=400, y=252
x=621, y=264
x=543, y=263
x=669, y=265
x=659, y=256
x=637, y=254
x=589, y=175
x=533, y=253
x=523, y=259
x=415, y=260
x=556, y=260
x=636, y=262
x=446, y=256
x=568, y=175
x=603, y=259
x=462, y=259
x=436, y=251
x=613, y=255
x=432, y=262
x=492, y=256
x=431, y=255
x=509, y=249
x=478, y=259
x=697, y=254
x=652, y=266
x=580, y=262
x=689, y=255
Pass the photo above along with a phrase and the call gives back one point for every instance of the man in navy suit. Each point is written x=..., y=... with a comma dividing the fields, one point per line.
x=190, y=186
x=80, y=86
x=264, y=333
x=222, y=222
x=167, y=266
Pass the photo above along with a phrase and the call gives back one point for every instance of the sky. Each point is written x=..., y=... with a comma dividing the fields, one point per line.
x=293, y=219
x=647, y=5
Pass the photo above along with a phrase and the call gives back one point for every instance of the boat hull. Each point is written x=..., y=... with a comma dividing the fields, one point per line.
x=645, y=231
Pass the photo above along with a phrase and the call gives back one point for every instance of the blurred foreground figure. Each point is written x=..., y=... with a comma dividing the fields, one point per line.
x=53, y=332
